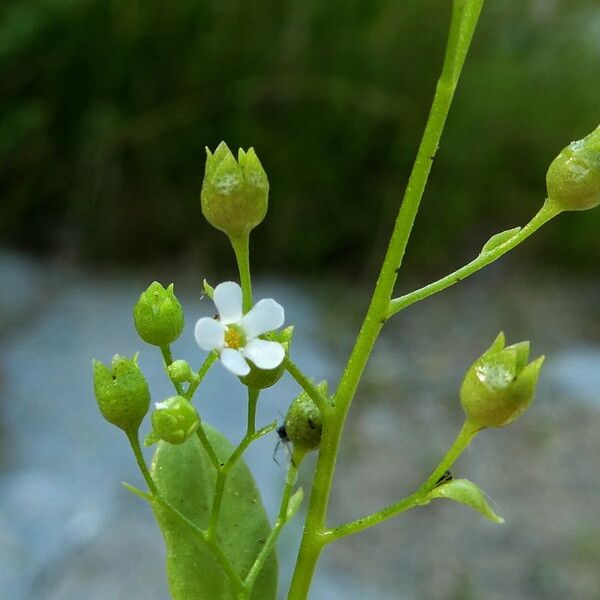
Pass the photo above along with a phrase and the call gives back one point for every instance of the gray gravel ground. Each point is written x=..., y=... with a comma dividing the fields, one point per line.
x=69, y=531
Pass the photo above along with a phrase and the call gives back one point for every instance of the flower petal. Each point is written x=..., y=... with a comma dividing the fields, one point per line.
x=209, y=334
x=264, y=354
x=264, y=316
x=228, y=300
x=234, y=362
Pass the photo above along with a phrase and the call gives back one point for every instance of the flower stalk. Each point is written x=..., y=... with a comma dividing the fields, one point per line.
x=465, y=15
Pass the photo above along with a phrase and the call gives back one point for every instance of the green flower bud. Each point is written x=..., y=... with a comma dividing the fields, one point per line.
x=260, y=379
x=234, y=193
x=573, y=179
x=180, y=372
x=174, y=420
x=122, y=392
x=499, y=386
x=158, y=316
x=304, y=422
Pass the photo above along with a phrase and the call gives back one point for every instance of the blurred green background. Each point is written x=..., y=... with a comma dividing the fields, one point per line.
x=106, y=107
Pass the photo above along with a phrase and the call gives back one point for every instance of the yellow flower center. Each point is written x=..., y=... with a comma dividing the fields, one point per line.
x=234, y=337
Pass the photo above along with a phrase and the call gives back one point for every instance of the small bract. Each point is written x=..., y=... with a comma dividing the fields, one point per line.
x=235, y=336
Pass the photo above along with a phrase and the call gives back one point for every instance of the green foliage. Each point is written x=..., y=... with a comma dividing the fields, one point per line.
x=106, y=108
x=185, y=478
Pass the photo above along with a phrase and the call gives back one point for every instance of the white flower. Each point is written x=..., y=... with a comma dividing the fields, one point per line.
x=235, y=335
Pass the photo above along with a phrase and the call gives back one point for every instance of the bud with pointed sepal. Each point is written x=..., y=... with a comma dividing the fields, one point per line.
x=174, y=421
x=500, y=385
x=304, y=422
x=122, y=392
x=234, y=192
x=158, y=316
x=573, y=178
x=260, y=379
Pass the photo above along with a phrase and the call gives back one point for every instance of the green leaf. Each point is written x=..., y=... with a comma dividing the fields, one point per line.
x=465, y=492
x=499, y=239
x=294, y=503
x=185, y=478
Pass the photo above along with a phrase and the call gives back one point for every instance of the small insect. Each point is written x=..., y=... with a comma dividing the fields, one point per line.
x=445, y=478
x=283, y=440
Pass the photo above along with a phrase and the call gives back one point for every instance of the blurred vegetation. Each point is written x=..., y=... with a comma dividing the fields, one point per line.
x=107, y=105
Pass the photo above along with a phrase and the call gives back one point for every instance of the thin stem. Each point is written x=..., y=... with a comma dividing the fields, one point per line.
x=134, y=441
x=168, y=358
x=209, y=361
x=465, y=14
x=464, y=438
x=214, y=459
x=223, y=471
x=217, y=502
x=252, y=402
x=241, y=247
x=281, y=520
x=307, y=385
x=546, y=213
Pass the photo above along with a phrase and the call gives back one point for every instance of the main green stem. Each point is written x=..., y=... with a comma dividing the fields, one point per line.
x=464, y=19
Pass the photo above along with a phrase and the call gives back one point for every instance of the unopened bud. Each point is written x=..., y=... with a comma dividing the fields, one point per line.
x=499, y=386
x=158, y=316
x=180, y=372
x=234, y=193
x=174, y=420
x=122, y=392
x=573, y=178
x=304, y=422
